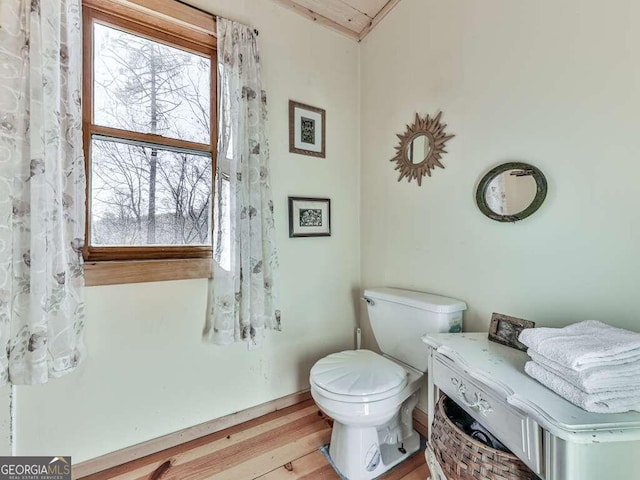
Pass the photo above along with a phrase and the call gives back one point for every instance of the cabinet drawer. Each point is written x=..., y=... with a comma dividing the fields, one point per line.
x=517, y=432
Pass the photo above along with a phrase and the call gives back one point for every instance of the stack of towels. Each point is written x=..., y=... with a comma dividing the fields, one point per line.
x=591, y=364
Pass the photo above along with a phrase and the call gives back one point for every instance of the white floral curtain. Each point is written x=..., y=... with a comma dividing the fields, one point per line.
x=242, y=292
x=41, y=190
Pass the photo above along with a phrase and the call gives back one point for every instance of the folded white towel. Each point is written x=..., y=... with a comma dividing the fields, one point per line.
x=584, y=344
x=594, y=379
x=612, y=402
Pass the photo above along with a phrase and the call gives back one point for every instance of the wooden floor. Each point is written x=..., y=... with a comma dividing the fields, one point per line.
x=281, y=445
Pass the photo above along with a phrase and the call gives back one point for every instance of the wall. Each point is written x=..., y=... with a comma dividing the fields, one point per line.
x=148, y=373
x=551, y=83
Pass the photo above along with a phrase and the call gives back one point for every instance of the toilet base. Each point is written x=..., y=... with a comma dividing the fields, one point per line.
x=361, y=454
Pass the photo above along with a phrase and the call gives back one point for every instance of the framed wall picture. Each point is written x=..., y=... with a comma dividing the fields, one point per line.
x=307, y=126
x=309, y=217
x=505, y=330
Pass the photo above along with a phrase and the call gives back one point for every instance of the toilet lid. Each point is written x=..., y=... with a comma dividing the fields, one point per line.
x=358, y=372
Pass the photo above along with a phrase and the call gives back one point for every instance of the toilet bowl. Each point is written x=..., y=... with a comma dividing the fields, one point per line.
x=371, y=396
x=371, y=400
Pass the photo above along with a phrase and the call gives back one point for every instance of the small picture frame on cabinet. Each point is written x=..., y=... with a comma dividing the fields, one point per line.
x=505, y=330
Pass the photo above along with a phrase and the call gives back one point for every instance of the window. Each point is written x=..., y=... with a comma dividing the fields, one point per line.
x=149, y=132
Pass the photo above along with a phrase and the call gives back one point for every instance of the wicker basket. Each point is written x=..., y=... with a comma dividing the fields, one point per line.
x=464, y=458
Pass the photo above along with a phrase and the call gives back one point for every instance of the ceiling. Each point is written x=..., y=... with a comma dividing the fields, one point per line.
x=354, y=18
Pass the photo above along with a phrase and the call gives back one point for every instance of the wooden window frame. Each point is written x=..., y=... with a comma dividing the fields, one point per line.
x=177, y=25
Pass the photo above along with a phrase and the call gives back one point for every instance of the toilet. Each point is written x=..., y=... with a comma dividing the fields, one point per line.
x=371, y=397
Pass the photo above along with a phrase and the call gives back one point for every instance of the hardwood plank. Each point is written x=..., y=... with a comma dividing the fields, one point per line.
x=420, y=473
x=132, y=458
x=378, y=18
x=354, y=18
x=305, y=416
x=405, y=468
x=316, y=17
x=325, y=473
x=368, y=7
x=261, y=453
x=315, y=466
x=265, y=462
x=282, y=445
x=310, y=467
x=253, y=446
x=340, y=12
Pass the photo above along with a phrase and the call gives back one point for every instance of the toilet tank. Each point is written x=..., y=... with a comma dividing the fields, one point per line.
x=400, y=317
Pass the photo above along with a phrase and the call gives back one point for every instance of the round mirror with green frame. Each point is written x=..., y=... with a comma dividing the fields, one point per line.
x=511, y=192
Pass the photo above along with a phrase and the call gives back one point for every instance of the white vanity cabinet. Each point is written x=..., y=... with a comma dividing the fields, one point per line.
x=556, y=439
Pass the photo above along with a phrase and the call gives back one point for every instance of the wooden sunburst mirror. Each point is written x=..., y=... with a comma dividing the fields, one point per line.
x=421, y=148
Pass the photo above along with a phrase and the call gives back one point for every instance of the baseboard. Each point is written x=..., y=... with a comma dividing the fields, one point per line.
x=421, y=422
x=140, y=450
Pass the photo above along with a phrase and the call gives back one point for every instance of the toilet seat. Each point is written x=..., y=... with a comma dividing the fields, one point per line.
x=358, y=376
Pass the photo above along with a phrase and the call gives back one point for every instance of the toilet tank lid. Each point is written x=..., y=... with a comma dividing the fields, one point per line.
x=421, y=300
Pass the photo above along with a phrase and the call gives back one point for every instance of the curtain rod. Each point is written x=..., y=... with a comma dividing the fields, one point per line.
x=183, y=2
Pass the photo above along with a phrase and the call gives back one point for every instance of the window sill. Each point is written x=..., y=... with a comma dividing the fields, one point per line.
x=139, y=271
